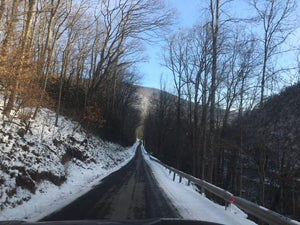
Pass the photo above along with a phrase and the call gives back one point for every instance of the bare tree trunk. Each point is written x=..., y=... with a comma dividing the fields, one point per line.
x=215, y=31
x=204, y=125
x=2, y=7
x=61, y=81
x=178, y=135
x=11, y=25
x=262, y=175
x=241, y=143
x=204, y=143
x=47, y=50
x=28, y=26
x=196, y=137
x=294, y=195
x=263, y=78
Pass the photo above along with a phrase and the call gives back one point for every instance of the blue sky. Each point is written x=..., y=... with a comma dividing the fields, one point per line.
x=189, y=13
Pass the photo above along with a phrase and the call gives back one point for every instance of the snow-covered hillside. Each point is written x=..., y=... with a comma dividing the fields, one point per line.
x=49, y=166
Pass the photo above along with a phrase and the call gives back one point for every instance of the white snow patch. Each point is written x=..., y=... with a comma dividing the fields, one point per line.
x=192, y=205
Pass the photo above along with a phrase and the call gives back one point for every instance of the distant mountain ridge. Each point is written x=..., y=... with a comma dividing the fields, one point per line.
x=147, y=95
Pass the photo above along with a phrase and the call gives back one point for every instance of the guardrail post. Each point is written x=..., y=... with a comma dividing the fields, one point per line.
x=227, y=204
x=202, y=190
x=189, y=183
x=174, y=176
x=180, y=179
x=170, y=171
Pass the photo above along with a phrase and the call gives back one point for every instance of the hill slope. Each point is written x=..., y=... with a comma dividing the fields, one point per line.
x=273, y=133
x=50, y=165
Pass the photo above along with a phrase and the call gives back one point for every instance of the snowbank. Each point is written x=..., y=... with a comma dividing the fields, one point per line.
x=192, y=205
x=49, y=167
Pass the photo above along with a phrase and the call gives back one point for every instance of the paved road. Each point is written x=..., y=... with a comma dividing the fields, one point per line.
x=130, y=193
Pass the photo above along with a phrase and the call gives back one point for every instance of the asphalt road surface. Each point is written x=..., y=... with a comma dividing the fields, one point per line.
x=130, y=193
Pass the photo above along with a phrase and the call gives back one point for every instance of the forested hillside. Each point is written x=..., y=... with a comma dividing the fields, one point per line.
x=50, y=158
x=272, y=134
x=223, y=126
x=262, y=147
x=77, y=58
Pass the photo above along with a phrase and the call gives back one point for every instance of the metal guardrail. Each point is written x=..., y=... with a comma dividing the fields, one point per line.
x=262, y=213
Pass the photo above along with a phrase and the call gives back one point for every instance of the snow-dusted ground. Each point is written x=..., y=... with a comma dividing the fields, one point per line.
x=192, y=205
x=44, y=171
x=50, y=197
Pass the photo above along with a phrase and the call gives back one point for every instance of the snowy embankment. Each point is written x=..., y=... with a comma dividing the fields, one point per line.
x=49, y=167
x=192, y=205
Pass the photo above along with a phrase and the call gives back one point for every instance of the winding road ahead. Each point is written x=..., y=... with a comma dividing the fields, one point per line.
x=130, y=193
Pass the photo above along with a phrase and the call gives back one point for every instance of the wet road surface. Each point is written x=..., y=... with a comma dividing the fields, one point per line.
x=130, y=193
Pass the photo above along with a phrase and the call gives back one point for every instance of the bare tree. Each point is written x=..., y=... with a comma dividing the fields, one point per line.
x=122, y=22
x=28, y=29
x=73, y=30
x=175, y=58
x=59, y=13
x=11, y=25
x=275, y=17
x=2, y=9
x=215, y=24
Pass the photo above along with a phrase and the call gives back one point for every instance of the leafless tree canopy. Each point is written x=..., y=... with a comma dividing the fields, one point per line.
x=85, y=47
x=224, y=70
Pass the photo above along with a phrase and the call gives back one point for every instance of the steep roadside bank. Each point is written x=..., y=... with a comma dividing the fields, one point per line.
x=49, y=166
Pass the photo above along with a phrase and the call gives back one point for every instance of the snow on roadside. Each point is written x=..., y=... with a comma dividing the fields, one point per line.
x=192, y=205
x=50, y=197
x=45, y=170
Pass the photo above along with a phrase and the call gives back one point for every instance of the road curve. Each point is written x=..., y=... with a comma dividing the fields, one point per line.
x=130, y=193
